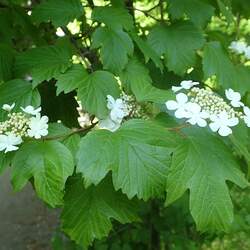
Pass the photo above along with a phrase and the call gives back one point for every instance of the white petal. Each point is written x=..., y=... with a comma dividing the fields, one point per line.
x=195, y=83
x=193, y=107
x=223, y=116
x=233, y=122
x=116, y=115
x=214, y=118
x=111, y=102
x=192, y=121
x=171, y=105
x=204, y=115
x=202, y=123
x=176, y=88
x=247, y=120
x=225, y=131
x=181, y=113
x=214, y=126
x=181, y=98
x=11, y=148
x=108, y=124
x=236, y=96
x=236, y=104
x=44, y=132
x=247, y=111
x=229, y=93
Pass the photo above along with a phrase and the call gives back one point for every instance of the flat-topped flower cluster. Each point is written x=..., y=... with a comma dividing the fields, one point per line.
x=202, y=107
x=239, y=48
x=119, y=109
x=27, y=123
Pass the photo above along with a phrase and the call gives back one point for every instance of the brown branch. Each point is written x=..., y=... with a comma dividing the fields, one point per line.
x=74, y=131
x=91, y=4
x=146, y=13
x=80, y=50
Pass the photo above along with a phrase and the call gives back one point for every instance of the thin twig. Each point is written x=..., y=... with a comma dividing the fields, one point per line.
x=145, y=12
x=79, y=49
x=74, y=131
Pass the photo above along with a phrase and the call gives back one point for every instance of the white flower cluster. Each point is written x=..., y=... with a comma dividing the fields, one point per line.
x=240, y=47
x=203, y=107
x=120, y=109
x=26, y=123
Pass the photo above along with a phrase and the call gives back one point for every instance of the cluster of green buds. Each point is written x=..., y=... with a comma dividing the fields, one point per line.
x=28, y=122
x=202, y=107
x=17, y=123
x=212, y=103
x=135, y=110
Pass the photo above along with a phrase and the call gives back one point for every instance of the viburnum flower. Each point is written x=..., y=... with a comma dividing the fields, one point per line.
x=234, y=98
x=9, y=142
x=38, y=126
x=179, y=105
x=109, y=124
x=118, y=109
x=187, y=84
x=222, y=123
x=238, y=46
x=195, y=115
x=8, y=107
x=247, y=116
x=31, y=110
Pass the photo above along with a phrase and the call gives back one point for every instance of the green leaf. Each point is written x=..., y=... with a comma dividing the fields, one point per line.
x=44, y=63
x=242, y=7
x=59, y=12
x=116, y=46
x=93, y=92
x=216, y=62
x=147, y=51
x=136, y=77
x=199, y=12
x=138, y=155
x=19, y=92
x=113, y=17
x=66, y=136
x=178, y=43
x=240, y=141
x=6, y=62
x=94, y=165
x=203, y=164
x=5, y=160
x=71, y=79
x=50, y=163
x=88, y=212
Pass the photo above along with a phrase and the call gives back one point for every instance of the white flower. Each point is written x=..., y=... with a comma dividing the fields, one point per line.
x=234, y=98
x=195, y=115
x=247, y=52
x=8, y=107
x=222, y=123
x=109, y=124
x=238, y=46
x=8, y=142
x=118, y=109
x=38, y=126
x=31, y=110
x=247, y=116
x=179, y=105
x=187, y=84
